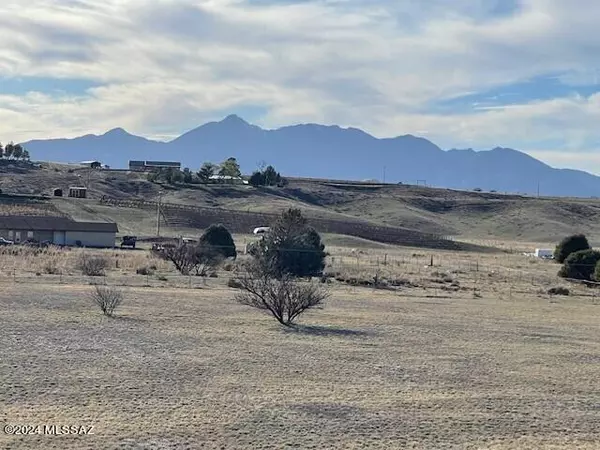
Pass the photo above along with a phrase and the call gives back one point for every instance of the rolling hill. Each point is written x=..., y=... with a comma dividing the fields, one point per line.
x=442, y=212
x=311, y=150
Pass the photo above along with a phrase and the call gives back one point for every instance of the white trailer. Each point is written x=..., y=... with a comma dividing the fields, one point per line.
x=544, y=253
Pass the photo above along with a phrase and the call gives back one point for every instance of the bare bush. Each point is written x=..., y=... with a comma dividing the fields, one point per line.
x=558, y=290
x=202, y=258
x=51, y=267
x=145, y=270
x=206, y=259
x=284, y=297
x=179, y=255
x=107, y=298
x=91, y=265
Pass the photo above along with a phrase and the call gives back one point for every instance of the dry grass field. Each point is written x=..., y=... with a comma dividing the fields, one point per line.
x=470, y=353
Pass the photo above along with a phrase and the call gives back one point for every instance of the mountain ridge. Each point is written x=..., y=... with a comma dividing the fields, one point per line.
x=329, y=151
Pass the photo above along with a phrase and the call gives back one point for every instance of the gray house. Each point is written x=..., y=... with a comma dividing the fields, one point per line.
x=58, y=230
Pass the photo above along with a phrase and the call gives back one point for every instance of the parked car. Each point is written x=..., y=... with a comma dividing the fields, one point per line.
x=5, y=241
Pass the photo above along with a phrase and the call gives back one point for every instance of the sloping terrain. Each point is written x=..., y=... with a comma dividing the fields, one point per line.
x=441, y=212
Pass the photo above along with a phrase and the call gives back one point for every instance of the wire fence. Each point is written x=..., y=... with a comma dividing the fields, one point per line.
x=410, y=273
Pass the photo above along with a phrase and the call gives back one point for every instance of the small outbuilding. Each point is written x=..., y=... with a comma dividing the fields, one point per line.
x=57, y=192
x=78, y=192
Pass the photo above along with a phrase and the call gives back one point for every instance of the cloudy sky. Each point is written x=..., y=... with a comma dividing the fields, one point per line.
x=464, y=73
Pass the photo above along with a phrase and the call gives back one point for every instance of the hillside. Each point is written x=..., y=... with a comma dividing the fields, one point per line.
x=442, y=212
x=311, y=150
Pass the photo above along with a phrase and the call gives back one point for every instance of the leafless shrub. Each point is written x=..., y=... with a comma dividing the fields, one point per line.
x=179, y=255
x=145, y=270
x=92, y=265
x=51, y=267
x=285, y=298
x=201, y=258
x=206, y=259
x=107, y=298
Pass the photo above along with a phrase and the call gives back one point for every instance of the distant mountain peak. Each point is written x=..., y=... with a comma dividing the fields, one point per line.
x=116, y=132
x=234, y=118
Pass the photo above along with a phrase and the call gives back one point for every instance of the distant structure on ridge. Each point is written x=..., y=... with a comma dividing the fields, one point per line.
x=148, y=166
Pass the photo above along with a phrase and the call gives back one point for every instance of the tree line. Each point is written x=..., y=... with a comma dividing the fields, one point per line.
x=14, y=152
x=226, y=172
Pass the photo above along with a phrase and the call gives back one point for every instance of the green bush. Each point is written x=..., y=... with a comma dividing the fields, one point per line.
x=568, y=245
x=257, y=179
x=291, y=247
x=597, y=272
x=220, y=238
x=580, y=265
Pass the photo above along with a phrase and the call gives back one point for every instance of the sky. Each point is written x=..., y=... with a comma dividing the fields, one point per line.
x=479, y=74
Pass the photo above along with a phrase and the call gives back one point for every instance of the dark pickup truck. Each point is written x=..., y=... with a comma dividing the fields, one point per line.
x=128, y=241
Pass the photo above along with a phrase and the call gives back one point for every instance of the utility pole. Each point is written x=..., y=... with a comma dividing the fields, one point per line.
x=158, y=213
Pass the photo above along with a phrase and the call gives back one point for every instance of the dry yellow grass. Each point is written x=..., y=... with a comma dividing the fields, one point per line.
x=422, y=368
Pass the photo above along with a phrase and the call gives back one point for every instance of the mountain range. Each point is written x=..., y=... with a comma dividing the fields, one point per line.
x=311, y=150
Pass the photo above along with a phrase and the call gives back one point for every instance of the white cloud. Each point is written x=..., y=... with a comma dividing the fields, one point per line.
x=168, y=65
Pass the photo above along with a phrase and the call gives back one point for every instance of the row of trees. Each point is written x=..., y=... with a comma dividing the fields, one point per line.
x=228, y=169
x=14, y=151
x=269, y=281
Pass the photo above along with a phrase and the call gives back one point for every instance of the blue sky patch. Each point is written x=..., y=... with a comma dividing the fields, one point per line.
x=537, y=89
x=49, y=86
